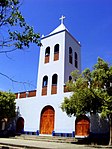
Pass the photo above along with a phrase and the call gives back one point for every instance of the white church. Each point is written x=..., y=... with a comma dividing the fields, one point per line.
x=60, y=54
x=39, y=110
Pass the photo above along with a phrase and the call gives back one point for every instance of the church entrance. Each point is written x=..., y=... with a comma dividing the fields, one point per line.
x=82, y=126
x=47, y=120
x=20, y=125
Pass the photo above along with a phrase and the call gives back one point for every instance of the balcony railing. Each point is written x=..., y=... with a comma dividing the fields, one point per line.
x=56, y=56
x=26, y=94
x=47, y=57
x=44, y=90
x=54, y=89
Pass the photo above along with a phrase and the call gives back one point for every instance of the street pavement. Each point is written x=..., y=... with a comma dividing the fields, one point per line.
x=31, y=144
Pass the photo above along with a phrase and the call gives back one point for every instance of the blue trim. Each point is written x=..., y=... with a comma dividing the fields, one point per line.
x=37, y=132
x=25, y=132
x=22, y=131
x=53, y=133
x=63, y=134
x=73, y=133
x=66, y=134
x=29, y=133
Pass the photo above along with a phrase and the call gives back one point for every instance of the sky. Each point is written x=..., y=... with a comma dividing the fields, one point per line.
x=89, y=21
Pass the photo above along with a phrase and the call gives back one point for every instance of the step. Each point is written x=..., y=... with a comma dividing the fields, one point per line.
x=47, y=138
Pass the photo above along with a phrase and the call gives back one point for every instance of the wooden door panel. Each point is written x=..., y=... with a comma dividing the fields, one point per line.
x=82, y=127
x=82, y=130
x=47, y=120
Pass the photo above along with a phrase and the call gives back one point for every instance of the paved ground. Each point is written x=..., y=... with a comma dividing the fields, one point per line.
x=19, y=144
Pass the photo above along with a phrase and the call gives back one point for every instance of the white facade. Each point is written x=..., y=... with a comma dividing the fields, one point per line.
x=30, y=108
x=59, y=55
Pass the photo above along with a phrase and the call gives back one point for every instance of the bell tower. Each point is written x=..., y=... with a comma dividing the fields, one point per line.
x=59, y=56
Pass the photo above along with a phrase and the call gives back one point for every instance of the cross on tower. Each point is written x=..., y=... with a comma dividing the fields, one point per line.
x=62, y=19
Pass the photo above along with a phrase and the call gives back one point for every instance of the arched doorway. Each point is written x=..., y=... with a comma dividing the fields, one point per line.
x=82, y=126
x=20, y=125
x=47, y=120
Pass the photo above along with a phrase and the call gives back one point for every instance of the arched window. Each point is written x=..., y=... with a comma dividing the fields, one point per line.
x=44, y=85
x=70, y=55
x=76, y=60
x=54, y=84
x=54, y=79
x=56, y=52
x=45, y=81
x=47, y=54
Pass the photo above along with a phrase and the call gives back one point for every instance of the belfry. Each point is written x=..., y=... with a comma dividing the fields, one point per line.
x=40, y=111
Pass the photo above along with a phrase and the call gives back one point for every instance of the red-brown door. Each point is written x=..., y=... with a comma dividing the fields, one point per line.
x=47, y=120
x=82, y=126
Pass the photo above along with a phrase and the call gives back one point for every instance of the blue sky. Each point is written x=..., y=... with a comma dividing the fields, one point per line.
x=89, y=21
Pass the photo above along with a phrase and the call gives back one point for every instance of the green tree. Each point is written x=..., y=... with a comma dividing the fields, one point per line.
x=15, y=33
x=7, y=105
x=92, y=91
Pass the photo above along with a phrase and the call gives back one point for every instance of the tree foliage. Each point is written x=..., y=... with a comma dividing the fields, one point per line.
x=92, y=91
x=15, y=33
x=7, y=105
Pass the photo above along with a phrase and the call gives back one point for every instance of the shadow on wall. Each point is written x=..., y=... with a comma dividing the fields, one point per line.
x=99, y=130
x=19, y=122
x=20, y=125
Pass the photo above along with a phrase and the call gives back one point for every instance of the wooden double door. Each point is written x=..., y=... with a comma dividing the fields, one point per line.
x=82, y=126
x=47, y=120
